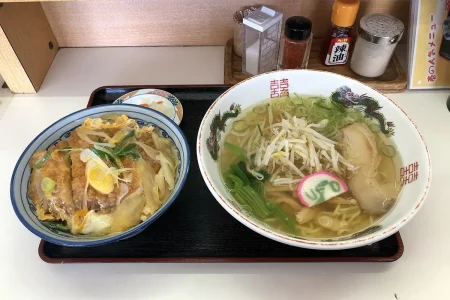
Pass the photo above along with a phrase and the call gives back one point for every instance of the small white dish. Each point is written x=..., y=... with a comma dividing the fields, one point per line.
x=159, y=100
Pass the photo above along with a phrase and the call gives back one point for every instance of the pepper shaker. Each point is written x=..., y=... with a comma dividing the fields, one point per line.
x=378, y=35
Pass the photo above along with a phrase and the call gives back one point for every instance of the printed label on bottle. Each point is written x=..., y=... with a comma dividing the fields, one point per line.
x=338, y=51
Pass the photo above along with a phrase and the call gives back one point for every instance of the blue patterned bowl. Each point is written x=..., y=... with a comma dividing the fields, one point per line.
x=60, y=130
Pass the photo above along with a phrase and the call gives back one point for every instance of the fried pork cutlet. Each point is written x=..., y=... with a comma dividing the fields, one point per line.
x=56, y=204
x=59, y=186
x=94, y=199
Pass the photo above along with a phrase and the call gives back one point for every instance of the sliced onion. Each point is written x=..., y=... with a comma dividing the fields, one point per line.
x=152, y=153
x=85, y=138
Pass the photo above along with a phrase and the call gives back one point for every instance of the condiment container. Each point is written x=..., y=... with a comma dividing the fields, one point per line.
x=238, y=37
x=378, y=35
x=337, y=45
x=261, y=41
x=295, y=43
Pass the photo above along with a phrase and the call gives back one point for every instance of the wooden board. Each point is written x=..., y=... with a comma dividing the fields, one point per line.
x=392, y=81
x=181, y=22
x=25, y=42
x=11, y=68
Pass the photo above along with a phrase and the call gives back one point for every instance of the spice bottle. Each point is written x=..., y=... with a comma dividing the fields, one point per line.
x=295, y=43
x=238, y=36
x=337, y=46
x=378, y=35
x=262, y=30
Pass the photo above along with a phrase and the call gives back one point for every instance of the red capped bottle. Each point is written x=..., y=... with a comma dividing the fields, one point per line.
x=337, y=46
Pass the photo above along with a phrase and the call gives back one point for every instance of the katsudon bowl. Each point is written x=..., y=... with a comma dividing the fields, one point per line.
x=61, y=131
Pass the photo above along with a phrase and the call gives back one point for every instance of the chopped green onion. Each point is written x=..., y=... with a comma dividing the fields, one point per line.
x=323, y=106
x=48, y=185
x=388, y=150
x=341, y=123
x=43, y=160
x=352, y=117
x=301, y=112
x=107, y=156
x=297, y=100
x=240, y=126
x=47, y=156
x=119, y=147
x=251, y=120
x=67, y=159
x=59, y=226
x=375, y=128
x=260, y=109
x=129, y=150
x=289, y=107
x=260, y=130
x=338, y=106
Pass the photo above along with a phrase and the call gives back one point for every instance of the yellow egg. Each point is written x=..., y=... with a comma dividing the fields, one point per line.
x=96, y=223
x=99, y=178
x=78, y=220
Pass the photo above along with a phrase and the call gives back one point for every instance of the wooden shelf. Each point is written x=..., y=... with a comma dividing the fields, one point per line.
x=392, y=81
x=102, y=23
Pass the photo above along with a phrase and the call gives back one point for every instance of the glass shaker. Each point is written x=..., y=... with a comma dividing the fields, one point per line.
x=378, y=35
x=261, y=41
x=295, y=43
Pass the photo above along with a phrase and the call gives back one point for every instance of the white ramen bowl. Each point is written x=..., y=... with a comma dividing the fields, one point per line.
x=415, y=170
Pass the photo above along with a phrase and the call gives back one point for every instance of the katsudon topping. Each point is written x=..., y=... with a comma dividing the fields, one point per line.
x=107, y=177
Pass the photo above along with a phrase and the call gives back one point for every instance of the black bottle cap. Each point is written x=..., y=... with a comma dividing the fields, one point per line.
x=297, y=28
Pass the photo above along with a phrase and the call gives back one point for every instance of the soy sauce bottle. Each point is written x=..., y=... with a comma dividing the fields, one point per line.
x=337, y=45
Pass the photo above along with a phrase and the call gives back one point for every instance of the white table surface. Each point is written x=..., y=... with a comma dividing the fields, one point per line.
x=423, y=272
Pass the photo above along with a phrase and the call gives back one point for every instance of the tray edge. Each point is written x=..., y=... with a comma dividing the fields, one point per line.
x=44, y=257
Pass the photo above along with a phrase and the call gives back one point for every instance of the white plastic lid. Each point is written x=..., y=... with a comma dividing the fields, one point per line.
x=262, y=19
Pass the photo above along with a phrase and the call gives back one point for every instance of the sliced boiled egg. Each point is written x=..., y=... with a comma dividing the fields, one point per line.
x=98, y=175
x=99, y=178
